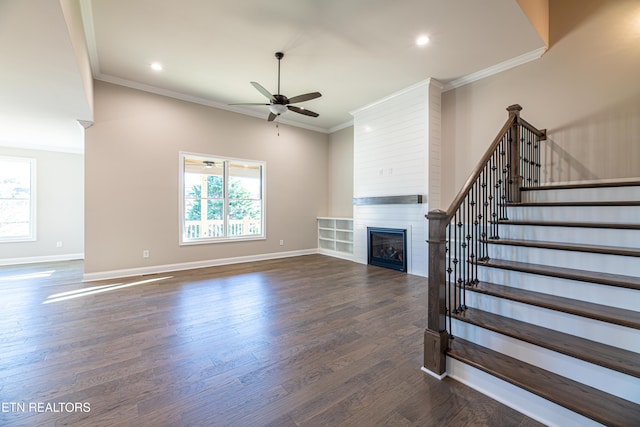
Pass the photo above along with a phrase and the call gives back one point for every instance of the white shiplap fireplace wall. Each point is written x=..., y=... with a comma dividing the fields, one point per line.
x=397, y=153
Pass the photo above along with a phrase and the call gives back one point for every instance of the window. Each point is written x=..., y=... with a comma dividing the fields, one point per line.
x=222, y=199
x=17, y=199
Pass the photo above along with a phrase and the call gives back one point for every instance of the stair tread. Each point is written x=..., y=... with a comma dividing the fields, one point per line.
x=611, y=357
x=605, y=313
x=571, y=224
x=579, y=247
x=568, y=186
x=587, y=401
x=577, y=204
x=610, y=279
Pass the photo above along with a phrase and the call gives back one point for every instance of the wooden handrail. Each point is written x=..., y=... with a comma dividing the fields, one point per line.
x=540, y=133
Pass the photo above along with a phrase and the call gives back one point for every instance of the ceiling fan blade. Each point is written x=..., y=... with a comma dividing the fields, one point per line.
x=302, y=111
x=272, y=117
x=249, y=103
x=305, y=97
x=263, y=91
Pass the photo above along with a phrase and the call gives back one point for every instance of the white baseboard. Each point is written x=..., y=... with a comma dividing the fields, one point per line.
x=336, y=254
x=433, y=374
x=155, y=269
x=39, y=259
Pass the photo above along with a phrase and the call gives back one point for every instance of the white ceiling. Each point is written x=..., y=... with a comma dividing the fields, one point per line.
x=41, y=92
x=354, y=52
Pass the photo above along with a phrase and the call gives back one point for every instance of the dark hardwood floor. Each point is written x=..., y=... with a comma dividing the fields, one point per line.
x=305, y=341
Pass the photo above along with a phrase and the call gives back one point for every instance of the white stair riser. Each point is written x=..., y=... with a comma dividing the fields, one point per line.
x=527, y=403
x=612, y=382
x=613, y=296
x=583, y=194
x=585, y=236
x=606, y=214
x=614, y=264
x=594, y=330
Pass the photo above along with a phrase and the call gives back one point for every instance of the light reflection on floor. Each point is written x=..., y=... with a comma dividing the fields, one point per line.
x=38, y=275
x=97, y=289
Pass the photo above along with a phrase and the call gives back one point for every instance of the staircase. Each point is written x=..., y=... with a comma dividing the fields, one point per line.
x=534, y=290
x=553, y=325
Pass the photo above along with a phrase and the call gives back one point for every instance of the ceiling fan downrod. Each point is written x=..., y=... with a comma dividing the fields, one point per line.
x=279, y=55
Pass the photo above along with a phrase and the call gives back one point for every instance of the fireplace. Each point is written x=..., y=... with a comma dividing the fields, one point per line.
x=387, y=247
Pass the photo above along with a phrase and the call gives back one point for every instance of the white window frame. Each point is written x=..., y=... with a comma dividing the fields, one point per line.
x=32, y=200
x=207, y=240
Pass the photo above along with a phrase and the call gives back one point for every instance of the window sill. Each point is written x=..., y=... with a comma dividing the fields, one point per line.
x=222, y=240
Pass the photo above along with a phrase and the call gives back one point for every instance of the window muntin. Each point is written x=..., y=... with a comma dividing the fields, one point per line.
x=222, y=199
x=17, y=199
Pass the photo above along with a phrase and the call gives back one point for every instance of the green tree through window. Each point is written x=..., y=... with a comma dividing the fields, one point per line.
x=222, y=199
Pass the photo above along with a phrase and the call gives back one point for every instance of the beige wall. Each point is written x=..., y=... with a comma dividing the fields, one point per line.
x=585, y=90
x=340, y=174
x=59, y=208
x=132, y=178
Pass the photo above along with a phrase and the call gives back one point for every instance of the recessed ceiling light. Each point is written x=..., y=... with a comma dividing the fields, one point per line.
x=156, y=66
x=422, y=40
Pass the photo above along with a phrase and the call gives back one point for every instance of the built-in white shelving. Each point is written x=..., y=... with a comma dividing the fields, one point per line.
x=335, y=237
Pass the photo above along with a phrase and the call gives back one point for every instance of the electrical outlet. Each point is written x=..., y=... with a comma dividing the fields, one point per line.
x=281, y=242
x=58, y=244
x=145, y=253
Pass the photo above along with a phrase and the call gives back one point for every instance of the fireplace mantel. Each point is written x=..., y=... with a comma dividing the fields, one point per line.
x=389, y=200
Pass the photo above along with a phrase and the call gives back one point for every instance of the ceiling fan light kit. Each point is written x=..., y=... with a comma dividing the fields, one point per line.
x=277, y=109
x=280, y=104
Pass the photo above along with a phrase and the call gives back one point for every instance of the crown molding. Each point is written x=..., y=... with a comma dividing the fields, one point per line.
x=428, y=82
x=341, y=126
x=495, y=69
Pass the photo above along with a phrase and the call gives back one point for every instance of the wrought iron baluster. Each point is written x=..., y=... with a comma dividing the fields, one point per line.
x=503, y=180
x=493, y=199
x=538, y=162
x=532, y=157
x=450, y=287
x=455, y=262
x=485, y=212
x=477, y=217
x=463, y=256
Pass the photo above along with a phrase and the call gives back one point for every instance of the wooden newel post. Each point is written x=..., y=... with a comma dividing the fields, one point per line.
x=515, y=180
x=436, y=338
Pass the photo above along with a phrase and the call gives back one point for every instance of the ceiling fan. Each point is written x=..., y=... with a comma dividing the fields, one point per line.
x=279, y=104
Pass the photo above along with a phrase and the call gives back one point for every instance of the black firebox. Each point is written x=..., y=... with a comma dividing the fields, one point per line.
x=387, y=247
